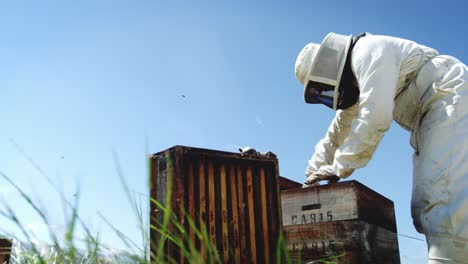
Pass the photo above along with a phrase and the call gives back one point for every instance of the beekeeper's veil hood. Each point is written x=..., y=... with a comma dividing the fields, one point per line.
x=320, y=67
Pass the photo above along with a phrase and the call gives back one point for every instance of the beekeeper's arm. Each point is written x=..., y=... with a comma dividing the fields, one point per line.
x=376, y=67
x=337, y=132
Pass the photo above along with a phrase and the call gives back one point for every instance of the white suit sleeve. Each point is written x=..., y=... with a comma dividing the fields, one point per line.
x=376, y=66
x=337, y=132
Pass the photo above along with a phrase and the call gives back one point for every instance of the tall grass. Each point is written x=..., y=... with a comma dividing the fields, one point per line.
x=67, y=247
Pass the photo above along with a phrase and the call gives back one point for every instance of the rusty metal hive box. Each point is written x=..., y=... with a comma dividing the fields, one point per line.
x=236, y=198
x=345, y=219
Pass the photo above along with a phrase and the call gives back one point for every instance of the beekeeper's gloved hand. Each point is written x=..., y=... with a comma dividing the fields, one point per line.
x=323, y=174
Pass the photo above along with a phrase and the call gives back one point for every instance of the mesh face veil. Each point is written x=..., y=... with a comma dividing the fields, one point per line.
x=319, y=93
x=324, y=75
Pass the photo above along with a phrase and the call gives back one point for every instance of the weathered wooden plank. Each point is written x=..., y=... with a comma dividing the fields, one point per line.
x=274, y=221
x=178, y=175
x=203, y=217
x=224, y=214
x=234, y=210
x=243, y=230
x=253, y=243
x=172, y=181
x=191, y=203
x=264, y=206
x=212, y=203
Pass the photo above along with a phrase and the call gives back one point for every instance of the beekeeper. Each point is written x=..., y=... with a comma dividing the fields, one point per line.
x=370, y=80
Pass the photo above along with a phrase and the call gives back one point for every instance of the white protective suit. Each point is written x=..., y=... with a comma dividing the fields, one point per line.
x=427, y=94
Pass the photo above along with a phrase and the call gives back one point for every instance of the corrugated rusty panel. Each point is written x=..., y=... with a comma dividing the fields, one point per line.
x=286, y=184
x=360, y=220
x=235, y=198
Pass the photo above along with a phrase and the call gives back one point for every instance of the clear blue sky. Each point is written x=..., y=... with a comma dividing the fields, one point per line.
x=79, y=79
